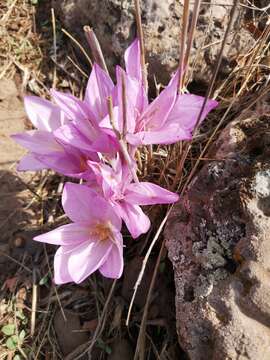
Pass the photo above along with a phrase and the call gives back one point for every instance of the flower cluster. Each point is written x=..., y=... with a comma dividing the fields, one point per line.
x=95, y=140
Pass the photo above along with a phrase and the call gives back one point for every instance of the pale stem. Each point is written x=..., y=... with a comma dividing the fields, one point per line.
x=141, y=41
x=122, y=143
x=124, y=102
x=194, y=20
x=95, y=47
x=183, y=37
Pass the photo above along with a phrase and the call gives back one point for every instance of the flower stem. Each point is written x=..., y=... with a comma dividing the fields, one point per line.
x=95, y=47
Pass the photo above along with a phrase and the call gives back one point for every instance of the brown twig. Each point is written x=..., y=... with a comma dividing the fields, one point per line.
x=183, y=37
x=79, y=46
x=141, y=41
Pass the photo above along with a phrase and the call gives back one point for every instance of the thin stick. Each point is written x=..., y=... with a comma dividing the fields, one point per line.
x=194, y=20
x=79, y=46
x=33, y=309
x=54, y=48
x=141, y=41
x=95, y=47
x=77, y=67
x=124, y=102
x=183, y=37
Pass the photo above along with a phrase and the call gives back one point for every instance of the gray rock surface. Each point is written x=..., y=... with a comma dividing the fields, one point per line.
x=218, y=239
x=114, y=24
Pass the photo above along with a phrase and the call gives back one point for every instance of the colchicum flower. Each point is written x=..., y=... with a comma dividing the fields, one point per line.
x=126, y=197
x=92, y=242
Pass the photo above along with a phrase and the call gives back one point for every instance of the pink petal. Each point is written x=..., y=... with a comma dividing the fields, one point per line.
x=37, y=141
x=99, y=87
x=166, y=135
x=158, y=111
x=84, y=136
x=83, y=205
x=69, y=134
x=187, y=109
x=61, y=273
x=135, y=219
x=146, y=193
x=87, y=258
x=114, y=264
x=70, y=234
x=62, y=162
x=73, y=107
x=43, y=114
x=133, y=60
x=30, y=162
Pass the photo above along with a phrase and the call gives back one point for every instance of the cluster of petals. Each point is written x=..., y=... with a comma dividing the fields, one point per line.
x=78, y=139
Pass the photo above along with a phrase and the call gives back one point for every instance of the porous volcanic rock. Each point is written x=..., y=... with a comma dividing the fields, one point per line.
x=114, y=24
x=218, y=239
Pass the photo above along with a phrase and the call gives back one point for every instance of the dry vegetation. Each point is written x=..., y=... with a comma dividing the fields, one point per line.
x=32, y=308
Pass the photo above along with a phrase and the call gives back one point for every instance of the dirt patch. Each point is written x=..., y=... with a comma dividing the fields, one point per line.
x=14, y=193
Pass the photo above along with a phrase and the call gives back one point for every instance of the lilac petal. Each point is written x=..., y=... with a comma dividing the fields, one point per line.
x=105, y=177
x=135, y=219
x=43, y=114
x=38, y=141
x=30, y=162
x=187, y=109
x=114, y=264
x=83, y=205
x=69, y=134
x=133, y=60
x=167, y=135
x=84, y=136
x=64, y=163
x=146, y=193
x=61, y=273
x=70, y=234
x=73, y=107
x=86, y=258
x=106, y=142
x=158, y=111
x=99, y=88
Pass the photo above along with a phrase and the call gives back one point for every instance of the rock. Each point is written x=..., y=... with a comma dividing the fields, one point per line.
x=115, y=27
x=218, y=241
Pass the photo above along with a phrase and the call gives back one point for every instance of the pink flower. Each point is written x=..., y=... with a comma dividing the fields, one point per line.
x=44, y=149
x=168, y=119
x=84, y=131
x=126, y=197
x=92, y=242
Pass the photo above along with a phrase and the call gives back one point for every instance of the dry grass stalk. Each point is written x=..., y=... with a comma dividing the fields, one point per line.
x=182, y=48
x=141, y=40
x=78, y=45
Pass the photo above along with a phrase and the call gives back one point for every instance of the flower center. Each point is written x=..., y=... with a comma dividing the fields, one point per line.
x=102, y=231
x=83, y=164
